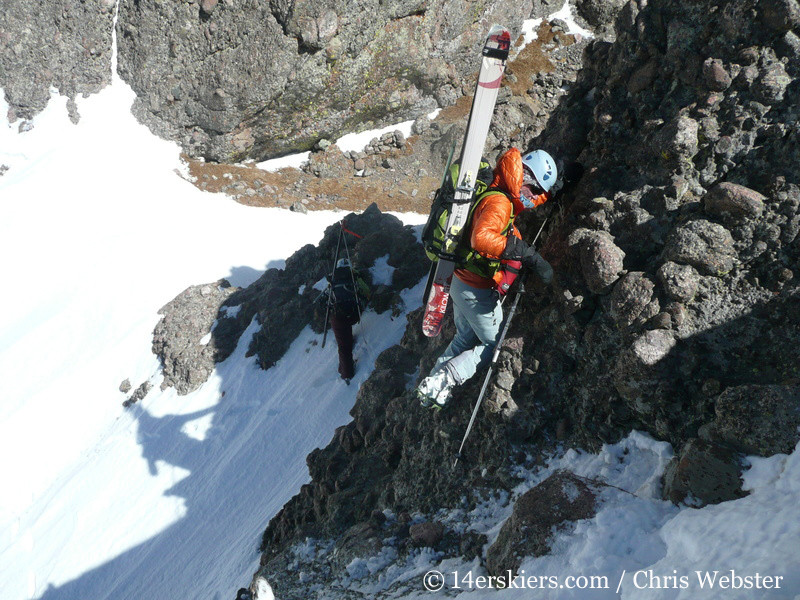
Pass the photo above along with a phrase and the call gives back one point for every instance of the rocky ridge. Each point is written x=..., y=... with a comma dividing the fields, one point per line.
x=675, y=307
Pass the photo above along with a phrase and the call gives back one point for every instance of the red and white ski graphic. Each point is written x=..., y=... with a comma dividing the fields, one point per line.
x=495, y=53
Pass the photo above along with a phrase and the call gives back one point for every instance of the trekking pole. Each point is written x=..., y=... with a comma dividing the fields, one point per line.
x=520, y=291
x=328, y=307
x=355, y=286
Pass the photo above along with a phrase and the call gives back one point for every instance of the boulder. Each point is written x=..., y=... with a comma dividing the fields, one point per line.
x=631, y=299
x=704, y=473
x=678, y=138
x=771, y=84
x=733, y=201
x=716, y=77
x=705, y=245
x=780, y=15
x=601, y=260
x=553, y=505
x=637, y=377
x=758, y=419
x=182, y=338
x=679, y=281
x=427, y=534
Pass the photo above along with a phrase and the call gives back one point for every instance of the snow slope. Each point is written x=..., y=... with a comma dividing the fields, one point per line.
x=97, y=232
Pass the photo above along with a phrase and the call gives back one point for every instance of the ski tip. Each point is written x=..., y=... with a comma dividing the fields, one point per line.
x=498, y=42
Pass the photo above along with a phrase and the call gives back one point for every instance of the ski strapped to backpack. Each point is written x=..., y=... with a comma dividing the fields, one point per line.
x=495, y=52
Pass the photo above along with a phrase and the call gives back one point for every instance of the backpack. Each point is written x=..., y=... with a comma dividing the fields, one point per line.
x=346, y=302
x=434, y=230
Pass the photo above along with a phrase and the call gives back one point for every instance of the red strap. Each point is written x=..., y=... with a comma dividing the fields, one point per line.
x=348, y=231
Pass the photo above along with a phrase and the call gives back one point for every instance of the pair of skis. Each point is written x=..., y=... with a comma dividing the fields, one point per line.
x=437, y=292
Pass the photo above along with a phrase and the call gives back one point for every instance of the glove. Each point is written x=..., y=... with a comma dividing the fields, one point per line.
x=517, y=249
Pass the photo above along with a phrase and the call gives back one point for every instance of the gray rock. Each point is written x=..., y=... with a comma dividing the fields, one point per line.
x=636, y=374
x=704, y=473
x=716, y=76
x=427, y=534
x=780, y=15
x=186, y=320
x=734, y=201
x=125, y=386
x=679, y=137
x=599, y=12
x=138, y=394
x=551, y=506
x=758, y=419
x=631, y=296
x=293, y=72
x=600, y=259
x=47, y=45
x=298, y=207
x=771, y=84
x=679, y=281
x=705, y=245
x=208, y=6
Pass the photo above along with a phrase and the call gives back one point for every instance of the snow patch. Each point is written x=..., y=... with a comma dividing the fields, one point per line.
x=230, y=312
x=290, y=161
x=382, y=272
x=356, y=142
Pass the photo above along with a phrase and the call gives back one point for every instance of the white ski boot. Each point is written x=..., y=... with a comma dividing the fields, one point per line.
x=434, y=391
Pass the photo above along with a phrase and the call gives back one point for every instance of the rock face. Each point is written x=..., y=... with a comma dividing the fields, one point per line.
x=758, y=419
x=240, y=78
x=704, y=473
x=44, y=45
x=675, y=308
x=551, y=506
x=183, y=338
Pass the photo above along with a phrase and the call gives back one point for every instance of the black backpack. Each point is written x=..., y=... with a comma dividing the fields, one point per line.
x=344, y=298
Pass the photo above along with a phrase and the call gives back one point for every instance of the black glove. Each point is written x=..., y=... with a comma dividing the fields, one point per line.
x=517, y=249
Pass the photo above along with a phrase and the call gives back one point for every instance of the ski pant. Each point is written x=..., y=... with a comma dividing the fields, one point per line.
x=343, y=332
x=478, y=317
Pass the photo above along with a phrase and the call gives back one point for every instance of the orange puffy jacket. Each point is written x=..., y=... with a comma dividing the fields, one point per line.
x=494, y=212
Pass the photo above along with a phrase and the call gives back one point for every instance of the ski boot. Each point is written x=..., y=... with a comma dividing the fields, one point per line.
x=434, y=391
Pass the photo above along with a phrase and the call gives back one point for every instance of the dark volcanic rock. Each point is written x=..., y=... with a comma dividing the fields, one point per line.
x=600, y=259
x=705, y=245
x=427, y=534
x=551, y=506
x=680, y=281
x=734, y=201
x=704, y=473
x=631, y=299
x=758, y=419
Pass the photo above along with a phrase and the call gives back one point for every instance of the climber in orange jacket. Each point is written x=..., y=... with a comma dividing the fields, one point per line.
x=520, y=182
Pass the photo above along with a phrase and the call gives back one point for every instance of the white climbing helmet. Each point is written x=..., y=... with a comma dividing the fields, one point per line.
x=343, y=262
x=543, y=167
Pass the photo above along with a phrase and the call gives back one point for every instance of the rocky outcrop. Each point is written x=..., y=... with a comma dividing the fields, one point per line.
x=704, y=473
x=183, y=338
x=757, y=419
x=237, y=78
x=203, y=325
x=676, y=279
x=538, y=515
x=61, y=45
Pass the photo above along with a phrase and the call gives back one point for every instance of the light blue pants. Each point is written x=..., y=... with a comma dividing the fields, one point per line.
x=478, y=317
